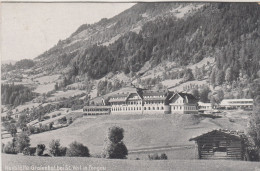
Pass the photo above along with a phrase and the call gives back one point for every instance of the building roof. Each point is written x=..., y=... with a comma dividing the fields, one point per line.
x=226, y=133
x=188, y=97
x=153, y=93
x=204, y=104
x=119, y=97
x=97, y=107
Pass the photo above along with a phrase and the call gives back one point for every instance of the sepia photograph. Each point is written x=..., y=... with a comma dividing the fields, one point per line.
x=129, y=86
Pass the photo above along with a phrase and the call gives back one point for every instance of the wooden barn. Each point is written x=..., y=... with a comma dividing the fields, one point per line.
x=220, y=144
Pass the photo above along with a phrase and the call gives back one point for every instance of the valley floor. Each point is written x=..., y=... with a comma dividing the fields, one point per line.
x=19, y=162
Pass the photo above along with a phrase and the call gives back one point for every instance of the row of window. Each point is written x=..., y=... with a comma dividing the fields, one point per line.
x=136, y=108
x=185, y=108
x=139, y=102
x=242, y=102
x=88, y=110
x=205, y=107
x=153, y=96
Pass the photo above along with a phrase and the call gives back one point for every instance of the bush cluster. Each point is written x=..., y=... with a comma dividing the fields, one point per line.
x=155, y=156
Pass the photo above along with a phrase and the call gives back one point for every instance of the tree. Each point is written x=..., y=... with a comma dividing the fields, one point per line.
x=56, y=149
x=40, y=149
x=29, y=151
x=188, y=76
x=220, y=77
x=213, y=78
x=114, y=147
x=56, y=87
x=228, y=76
x=77, y=150
x=254, y=123
x=195, y=93
x=204, y=94
x=9, y=148
x=220, y=95
x=22, y=141
x=12, y=129
x=22, y=121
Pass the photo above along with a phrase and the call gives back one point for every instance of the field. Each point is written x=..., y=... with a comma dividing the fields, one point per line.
x=95, y=164
x=144, y=134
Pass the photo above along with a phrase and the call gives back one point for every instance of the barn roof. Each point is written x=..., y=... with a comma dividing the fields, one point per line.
x=226, y=133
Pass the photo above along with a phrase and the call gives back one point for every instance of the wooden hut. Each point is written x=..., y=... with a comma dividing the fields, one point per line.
x=220, y=144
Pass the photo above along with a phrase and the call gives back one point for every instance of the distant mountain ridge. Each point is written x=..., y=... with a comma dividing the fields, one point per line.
x=156, y=33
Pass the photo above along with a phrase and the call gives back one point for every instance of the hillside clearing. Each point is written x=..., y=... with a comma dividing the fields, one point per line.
x=141, y=131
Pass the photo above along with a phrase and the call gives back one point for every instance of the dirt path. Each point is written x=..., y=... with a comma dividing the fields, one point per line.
x=163, y=148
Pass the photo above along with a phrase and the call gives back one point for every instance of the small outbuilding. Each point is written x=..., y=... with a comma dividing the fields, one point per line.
x=220, y=144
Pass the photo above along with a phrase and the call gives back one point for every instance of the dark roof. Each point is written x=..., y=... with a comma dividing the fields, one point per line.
x=225, y=133
x=120, y=95
x=153, y=93
x=189, y=97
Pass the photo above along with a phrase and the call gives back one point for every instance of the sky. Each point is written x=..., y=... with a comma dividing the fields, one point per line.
x=29, y=29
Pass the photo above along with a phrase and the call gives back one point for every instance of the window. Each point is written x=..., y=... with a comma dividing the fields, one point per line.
x=158, y=108
x=162, y=108
x=144, y=108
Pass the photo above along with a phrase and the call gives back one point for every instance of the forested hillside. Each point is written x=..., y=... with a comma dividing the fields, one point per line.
x=155, y=33
x=15, y=95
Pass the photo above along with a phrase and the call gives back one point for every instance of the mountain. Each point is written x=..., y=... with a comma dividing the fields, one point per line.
x=8, y=62
x=166, y=41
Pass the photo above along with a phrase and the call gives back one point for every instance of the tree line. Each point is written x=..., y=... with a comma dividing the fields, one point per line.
x=16, y=94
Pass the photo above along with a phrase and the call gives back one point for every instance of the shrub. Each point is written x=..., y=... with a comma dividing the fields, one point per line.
x=10, y=148
x=51, y=125
x=155, y=156
x=31, y=129
x=62, y=120
x=40, y=149
x=63, y=151
x=70, y=120
x=46, y=155
x=163, y=156
x=114, y=147
x=29, y=151
x=77, y=149
x=22, y=142
x=46, y=117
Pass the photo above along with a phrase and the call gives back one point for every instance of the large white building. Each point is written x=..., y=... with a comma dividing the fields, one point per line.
x=183, y=103
x=153, y=102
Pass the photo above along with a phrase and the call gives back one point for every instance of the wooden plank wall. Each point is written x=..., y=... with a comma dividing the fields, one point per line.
x=207, y=148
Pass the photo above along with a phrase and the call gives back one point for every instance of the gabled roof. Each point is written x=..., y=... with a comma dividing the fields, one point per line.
x=226, y=133
x=188, y=97
x=154, y=93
